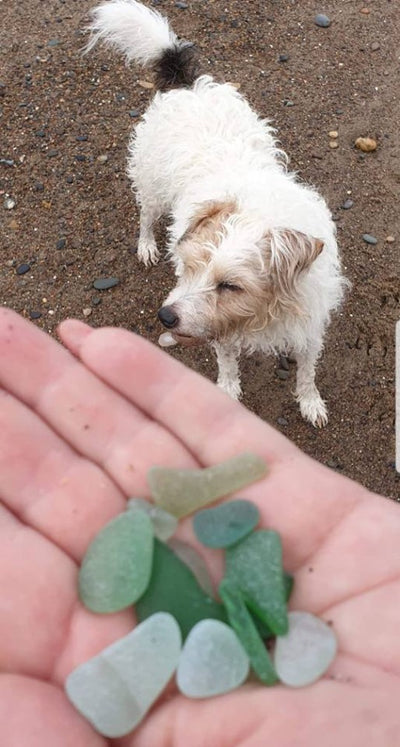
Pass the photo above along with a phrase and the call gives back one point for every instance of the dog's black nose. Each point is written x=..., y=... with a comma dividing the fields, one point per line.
x=168, y=317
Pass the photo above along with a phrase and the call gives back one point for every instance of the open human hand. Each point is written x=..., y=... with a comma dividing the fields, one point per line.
x=78, y=432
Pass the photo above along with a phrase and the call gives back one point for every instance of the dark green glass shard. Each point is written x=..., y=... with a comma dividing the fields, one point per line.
x=263, y=629
x=242, y=623
x=173, y=588
x=255, y=566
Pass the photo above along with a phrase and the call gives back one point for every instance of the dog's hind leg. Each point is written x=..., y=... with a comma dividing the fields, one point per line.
x=147, y=247
x=228, y=369
x=312, y=406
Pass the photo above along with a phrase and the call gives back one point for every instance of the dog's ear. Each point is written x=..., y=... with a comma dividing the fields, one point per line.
x=208, y=218
x=289, y=253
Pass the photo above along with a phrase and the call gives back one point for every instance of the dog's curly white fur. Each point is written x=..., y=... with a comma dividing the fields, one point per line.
x=254, y=249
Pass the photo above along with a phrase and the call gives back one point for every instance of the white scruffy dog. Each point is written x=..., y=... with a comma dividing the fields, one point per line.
x=254, y=249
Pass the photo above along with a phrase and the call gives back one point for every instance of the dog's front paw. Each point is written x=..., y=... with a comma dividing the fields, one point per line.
x=314, y=410
x=147, y=252
x=230, y=387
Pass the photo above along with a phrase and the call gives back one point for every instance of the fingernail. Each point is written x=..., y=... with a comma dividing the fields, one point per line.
x=72, y=333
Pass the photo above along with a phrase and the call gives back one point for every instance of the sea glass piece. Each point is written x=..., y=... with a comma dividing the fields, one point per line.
x=305, y=653
x=242, y=623
x=255, y=566
x=212, y=661
x=263, y=629
x=116, y=688
x=226, y=524
x=164, y=524
x=182, y=491
x=174, y=589
x=117, y=566
x=195, y=562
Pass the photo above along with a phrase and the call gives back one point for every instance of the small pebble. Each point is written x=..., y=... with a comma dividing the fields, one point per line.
x=117, y=565
x=224, y=525
x=22, y=269
x=115, y=689
x=347, y=204
x=283, y=362
x=283, y=58
x=164, y=524
x=333, y=134
x=82, y=138
x=366, y=144
x=166, y=340
x=282, y=421
x=305, y=653
x=145, y=84
x=181, y=6
x=282, y=374
x=52, y=153
x=87, y=311
x=9, y=203
x=7, y=162
x=61, y=243
x=254, y=565
x=333, y=144
x=212, y=662
x=96, y=300
x=390, y=239
x=102, y=158
x=369, y=239
x=365, y=11
x=133, y=113
x=105, y=283
x=53, y=43
x=183, y=491
x=322, y=20
x=375, y=46
x=39, y=187
x=35, y=314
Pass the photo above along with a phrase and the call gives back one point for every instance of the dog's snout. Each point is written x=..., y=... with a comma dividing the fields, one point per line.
x=168, y=317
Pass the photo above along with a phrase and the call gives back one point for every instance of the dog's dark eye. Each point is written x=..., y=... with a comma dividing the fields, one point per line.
x=228, y=287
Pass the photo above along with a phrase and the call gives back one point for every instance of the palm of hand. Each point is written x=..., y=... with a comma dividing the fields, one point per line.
x=75, y=440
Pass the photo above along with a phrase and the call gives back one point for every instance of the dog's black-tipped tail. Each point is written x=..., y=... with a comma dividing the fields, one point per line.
x=143, y=35
x=177, y=66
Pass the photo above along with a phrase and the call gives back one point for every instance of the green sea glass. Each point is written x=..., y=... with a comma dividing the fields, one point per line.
x=117, y=566
x=173, y=588
x=115, y=689
x=164, y=524
x=255, y=566
x=226, y=524
x=242, y=623
x=263, y=629
x=183, y=491
x=195, y=562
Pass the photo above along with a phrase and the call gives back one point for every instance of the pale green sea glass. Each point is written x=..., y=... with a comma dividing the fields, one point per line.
x=183, y=491
x=115, y=689
x=117, y=566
